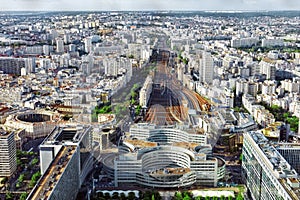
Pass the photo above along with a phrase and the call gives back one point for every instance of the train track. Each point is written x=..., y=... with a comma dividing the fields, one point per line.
x=165, y=106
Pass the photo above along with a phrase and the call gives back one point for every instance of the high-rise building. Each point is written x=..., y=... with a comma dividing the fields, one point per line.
x=59, y=46
x=46, y=50
x=66, y=157
x=8, y=158
x=291, y=152
x=266, y=174
x=267, y=67
x=87, y=64
x=68, y=135
x=11, y=65
x=244, y=42
x=30, y=65
x=61, y=180
x=67, y=38
x=206, y=70
x=88, y=46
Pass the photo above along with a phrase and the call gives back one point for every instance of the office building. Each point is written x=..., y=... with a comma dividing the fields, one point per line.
x=66, y=158
x=206, y=70
x=291, y=153
x=68, y=135
x=267, y=67
x=10, y=65
x=267, y=175
x=88, y=46
x=159, y=157
x=244, y=42
x=61, y=179
x=60, y=46
x=272, y=42
x=46, y=50
x=8, y=163
x=166, y=134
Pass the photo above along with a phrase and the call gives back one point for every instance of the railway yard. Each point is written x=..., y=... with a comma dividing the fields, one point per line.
x=169, y=101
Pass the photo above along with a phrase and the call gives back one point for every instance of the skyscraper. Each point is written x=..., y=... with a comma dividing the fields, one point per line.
x=8, y=159
x=206, y=68
x=30, y=65
x=88, y=45
x=46, y=50
x=59, y=46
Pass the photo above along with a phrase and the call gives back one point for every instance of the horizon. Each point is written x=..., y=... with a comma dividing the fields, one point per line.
x=180, y=11
x=146, y=5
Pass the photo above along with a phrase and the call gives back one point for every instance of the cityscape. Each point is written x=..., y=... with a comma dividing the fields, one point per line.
x=154, y=105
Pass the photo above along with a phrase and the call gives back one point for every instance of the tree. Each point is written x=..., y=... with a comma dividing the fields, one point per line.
x=23, y=196
x=187, y=195
x=107, y=195
x=131, y=196
x=115, y=195
x=156, y=195
x=35, y=177
x=178, y=196
x=240, y=197
x=34, y=161
x=147, y=195
x=21, y=178
x=187, y=198
x=100, y=194
x=123, y=196
x=141, y=194
x=8, y=196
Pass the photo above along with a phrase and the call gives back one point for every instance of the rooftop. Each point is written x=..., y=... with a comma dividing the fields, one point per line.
x=280, y=167
x=48, y=181
x=186, y=145
x=279, y=164
x=66, y=133
x=170, y=171
x=141, y=143
x=4, y=133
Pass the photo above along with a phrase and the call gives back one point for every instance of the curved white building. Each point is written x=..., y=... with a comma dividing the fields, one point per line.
x=165, y=134
x=166, y=158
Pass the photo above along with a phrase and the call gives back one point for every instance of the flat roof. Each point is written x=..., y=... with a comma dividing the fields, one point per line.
x=186, y=145
x=48, y=181
x=4, y=133
x=278, y=162
x=170, y=171
x=66, y=133
x=141, y=143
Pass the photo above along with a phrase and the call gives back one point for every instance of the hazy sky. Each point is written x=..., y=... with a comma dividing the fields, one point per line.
x=49, y=5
